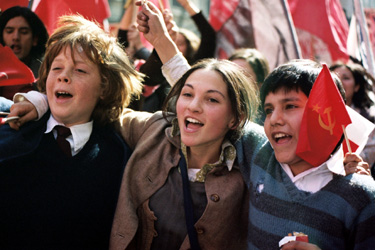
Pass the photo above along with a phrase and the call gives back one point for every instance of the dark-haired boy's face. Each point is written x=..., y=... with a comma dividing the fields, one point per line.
x=18, y=36
x=284, y=112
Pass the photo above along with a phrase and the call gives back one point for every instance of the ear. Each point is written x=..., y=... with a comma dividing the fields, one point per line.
x=232, y=123
x=356, y=88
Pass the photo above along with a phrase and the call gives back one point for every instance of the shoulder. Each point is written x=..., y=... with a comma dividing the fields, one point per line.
x=363, y=183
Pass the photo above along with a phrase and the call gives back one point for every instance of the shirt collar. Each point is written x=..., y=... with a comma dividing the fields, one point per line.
x=334, y=165
x=80, y=133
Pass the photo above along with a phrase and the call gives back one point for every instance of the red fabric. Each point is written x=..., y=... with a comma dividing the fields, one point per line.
x=12, y=70
x=49, y=11
x=321, y=126
x=221, y=11
x=263, y=25
x=6, y=4
x=324, y=19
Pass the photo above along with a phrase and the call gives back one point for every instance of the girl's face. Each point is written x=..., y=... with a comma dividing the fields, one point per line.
x=73, y=87
x=348, y=82
x=204, y=110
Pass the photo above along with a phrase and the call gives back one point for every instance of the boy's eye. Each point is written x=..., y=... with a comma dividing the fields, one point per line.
x=268, y=111
x=291, y=106
x=81, y=70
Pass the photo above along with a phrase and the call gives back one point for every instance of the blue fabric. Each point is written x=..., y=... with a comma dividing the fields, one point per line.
x=5, y=104
x=339, y=216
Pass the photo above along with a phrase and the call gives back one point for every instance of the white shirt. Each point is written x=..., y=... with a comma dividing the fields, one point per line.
x=314, y=179
x=80, y=134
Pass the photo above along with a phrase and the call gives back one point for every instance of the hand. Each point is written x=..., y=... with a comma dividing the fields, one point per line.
x=299, y=245
x=170, y=24
x=25, y=110
x=151, y=23
x=353, y=163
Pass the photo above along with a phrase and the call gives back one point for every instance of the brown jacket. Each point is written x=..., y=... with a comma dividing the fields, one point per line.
x=223, y=224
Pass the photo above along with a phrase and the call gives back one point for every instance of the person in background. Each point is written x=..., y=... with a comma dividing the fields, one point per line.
x=358, y=85
x=23, y=31
x=128, y=34
x=254, y=62
x=256, y=66
x=190, y=45
x=60, y=176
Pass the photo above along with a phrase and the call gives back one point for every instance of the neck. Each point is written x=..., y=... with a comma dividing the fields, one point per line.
x=300, y=167
x=197, y=158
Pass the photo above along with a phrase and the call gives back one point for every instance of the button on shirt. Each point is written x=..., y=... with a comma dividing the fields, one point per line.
x=314, y=179
x=80, y=134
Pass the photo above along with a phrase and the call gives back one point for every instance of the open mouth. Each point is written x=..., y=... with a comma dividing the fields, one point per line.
x=63, y=95
x=193, y=123
x=15, y=47
x=281, y=137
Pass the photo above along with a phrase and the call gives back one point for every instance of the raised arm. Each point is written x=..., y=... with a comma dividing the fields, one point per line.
x=150, y=22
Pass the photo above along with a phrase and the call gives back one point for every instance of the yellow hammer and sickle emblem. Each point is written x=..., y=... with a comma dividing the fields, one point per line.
x=330, y=125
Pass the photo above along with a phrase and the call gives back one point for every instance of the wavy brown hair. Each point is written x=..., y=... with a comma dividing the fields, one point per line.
x=119, y=79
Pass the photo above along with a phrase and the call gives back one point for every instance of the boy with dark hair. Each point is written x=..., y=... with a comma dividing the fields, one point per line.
x=288, y=194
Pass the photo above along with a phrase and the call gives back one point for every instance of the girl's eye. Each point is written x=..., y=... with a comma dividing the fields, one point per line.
x=186, y=94
x=213, y=100
x=56, y=68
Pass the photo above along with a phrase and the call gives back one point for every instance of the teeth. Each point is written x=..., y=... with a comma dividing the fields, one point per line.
x=193, y=120
x=58, y=94
x=280, y=135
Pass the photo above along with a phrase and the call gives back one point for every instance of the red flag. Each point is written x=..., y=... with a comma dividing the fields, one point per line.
x=321, y=126
x=6, y=4
x=264, y=25
x=49, y=11
x=12, y=70
x=324, y=19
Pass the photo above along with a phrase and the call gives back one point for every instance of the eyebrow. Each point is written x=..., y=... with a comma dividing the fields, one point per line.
x=289, y=99
x=209, y=91
x=21, y=28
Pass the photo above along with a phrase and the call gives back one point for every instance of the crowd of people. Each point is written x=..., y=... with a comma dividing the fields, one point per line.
x=121, y=147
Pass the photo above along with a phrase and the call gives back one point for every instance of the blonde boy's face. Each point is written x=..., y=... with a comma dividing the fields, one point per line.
x=284, y=112
x=73, y=88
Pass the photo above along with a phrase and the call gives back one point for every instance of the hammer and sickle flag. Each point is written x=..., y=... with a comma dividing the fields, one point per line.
x=12, y=70
x=323, y=120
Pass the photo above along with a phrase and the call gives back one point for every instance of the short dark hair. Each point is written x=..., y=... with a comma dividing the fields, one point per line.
x=299, y=74
x=37, y=28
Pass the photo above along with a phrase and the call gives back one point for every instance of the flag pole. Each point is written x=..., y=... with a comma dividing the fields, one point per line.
x=347, y=140
x=30, y=4
x=161, y=5
x=292, y=29
x=360, y=16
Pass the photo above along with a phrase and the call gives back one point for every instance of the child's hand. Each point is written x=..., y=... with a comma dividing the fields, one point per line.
x=353, y=163
x=299, y=245
x=25, y=110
